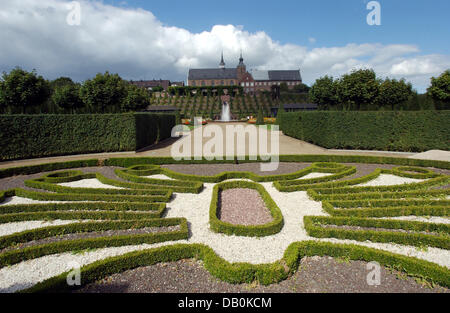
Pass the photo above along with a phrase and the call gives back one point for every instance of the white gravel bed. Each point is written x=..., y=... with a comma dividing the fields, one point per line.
x=389, y=180
x=20, y=200
x=314, y=175
x=195, y=207
x=17, y=227
x=159, y=176
x=426, y=219
x=89, y=183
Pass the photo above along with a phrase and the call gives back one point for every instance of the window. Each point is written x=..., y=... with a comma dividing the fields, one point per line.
x=242, y=84
x=222, y=83
x=252, y=84
x=203, y=83
x=247, y=84
x=212, y=83
x=193, y=83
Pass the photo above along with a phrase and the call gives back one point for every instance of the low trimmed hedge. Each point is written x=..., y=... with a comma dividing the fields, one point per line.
x=238, y=273
x=46, y=167
x=16, y=256
x=314, y=227
x=32, y=136
x=326, y=167
x=219, y=226
x=85, y=227
x=381, y=130
x=174, y=185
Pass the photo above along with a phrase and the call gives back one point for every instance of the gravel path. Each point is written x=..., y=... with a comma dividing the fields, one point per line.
x=87, y=235
x=89, y=183
x=214, y=169
x=17, y=227
x=315, y=275
x=243, y=206
x=388, y=180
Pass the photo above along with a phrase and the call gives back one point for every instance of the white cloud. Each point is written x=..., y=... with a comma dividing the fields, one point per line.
x=312, y=40
x=135, y=44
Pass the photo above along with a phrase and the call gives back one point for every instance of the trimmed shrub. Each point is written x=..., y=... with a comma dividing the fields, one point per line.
x=32, y=136
x=383, y=130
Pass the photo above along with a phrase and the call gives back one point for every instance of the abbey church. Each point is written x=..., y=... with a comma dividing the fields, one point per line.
x=253, y=81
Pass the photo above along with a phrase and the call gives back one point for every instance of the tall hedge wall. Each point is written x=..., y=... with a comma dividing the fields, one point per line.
x=29, y=136
x=382, y=130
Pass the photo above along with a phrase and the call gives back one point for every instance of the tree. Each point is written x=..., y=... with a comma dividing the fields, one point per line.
x=104, y=93
x=439, y=91
x=394, y=92
x=358, y=90
x=260, y=117
x=20, y=90
x=284, y=87
x=301, y=88
x=136, y=99
x=323, y=93
x=280, y=113
x=67, y=97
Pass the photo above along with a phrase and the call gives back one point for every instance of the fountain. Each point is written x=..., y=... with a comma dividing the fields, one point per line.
x=226, y=114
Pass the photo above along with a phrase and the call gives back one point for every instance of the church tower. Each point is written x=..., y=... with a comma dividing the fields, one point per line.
x=241, y=68
x=222, y=62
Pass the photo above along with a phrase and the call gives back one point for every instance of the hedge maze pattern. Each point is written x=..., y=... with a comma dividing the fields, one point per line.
x=132, y=212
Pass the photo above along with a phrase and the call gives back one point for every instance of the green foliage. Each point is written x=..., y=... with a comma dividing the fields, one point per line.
x=358, y=90
x=136, y=99
x=28, y=136
x=301, y=88
x=383, y=130
x=105, y=93
x=22, y=91
x=260, y=117
x=440, y=90
x=393, y=92
x=324, y=93
x=67, y=97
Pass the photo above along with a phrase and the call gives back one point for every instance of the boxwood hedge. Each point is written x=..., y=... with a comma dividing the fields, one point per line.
x=382, y=130
x=32, y=136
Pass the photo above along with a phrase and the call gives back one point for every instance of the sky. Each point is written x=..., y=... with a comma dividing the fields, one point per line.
x=163, y=39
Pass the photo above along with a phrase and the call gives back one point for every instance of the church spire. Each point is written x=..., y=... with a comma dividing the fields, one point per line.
x=222, y=62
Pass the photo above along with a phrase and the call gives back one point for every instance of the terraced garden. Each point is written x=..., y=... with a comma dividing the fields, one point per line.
x=123, y=214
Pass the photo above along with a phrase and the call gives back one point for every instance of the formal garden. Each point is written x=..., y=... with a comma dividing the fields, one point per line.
x=151, y=223
x=121, y=214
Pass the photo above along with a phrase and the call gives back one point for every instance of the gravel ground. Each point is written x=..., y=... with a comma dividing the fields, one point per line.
x=214, y=169
x=426, y=219
x=89, y=183
x=315, y=275
x=87, y=235
x=243, y=206
x=17, y=227
x=388, y=180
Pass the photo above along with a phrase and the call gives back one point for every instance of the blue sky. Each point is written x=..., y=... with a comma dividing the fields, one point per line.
x=330, y=22
x=162, y=39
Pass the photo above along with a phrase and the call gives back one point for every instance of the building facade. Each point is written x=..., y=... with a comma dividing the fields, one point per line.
x=251, y=82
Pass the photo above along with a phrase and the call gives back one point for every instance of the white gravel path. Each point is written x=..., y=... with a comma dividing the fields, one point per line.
x=89, y=183
x=389, y=180
x=314, y=175
x=20, y=200
x=17, y=227
x=426, y=219
x=195, y=208
x=159, y=176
